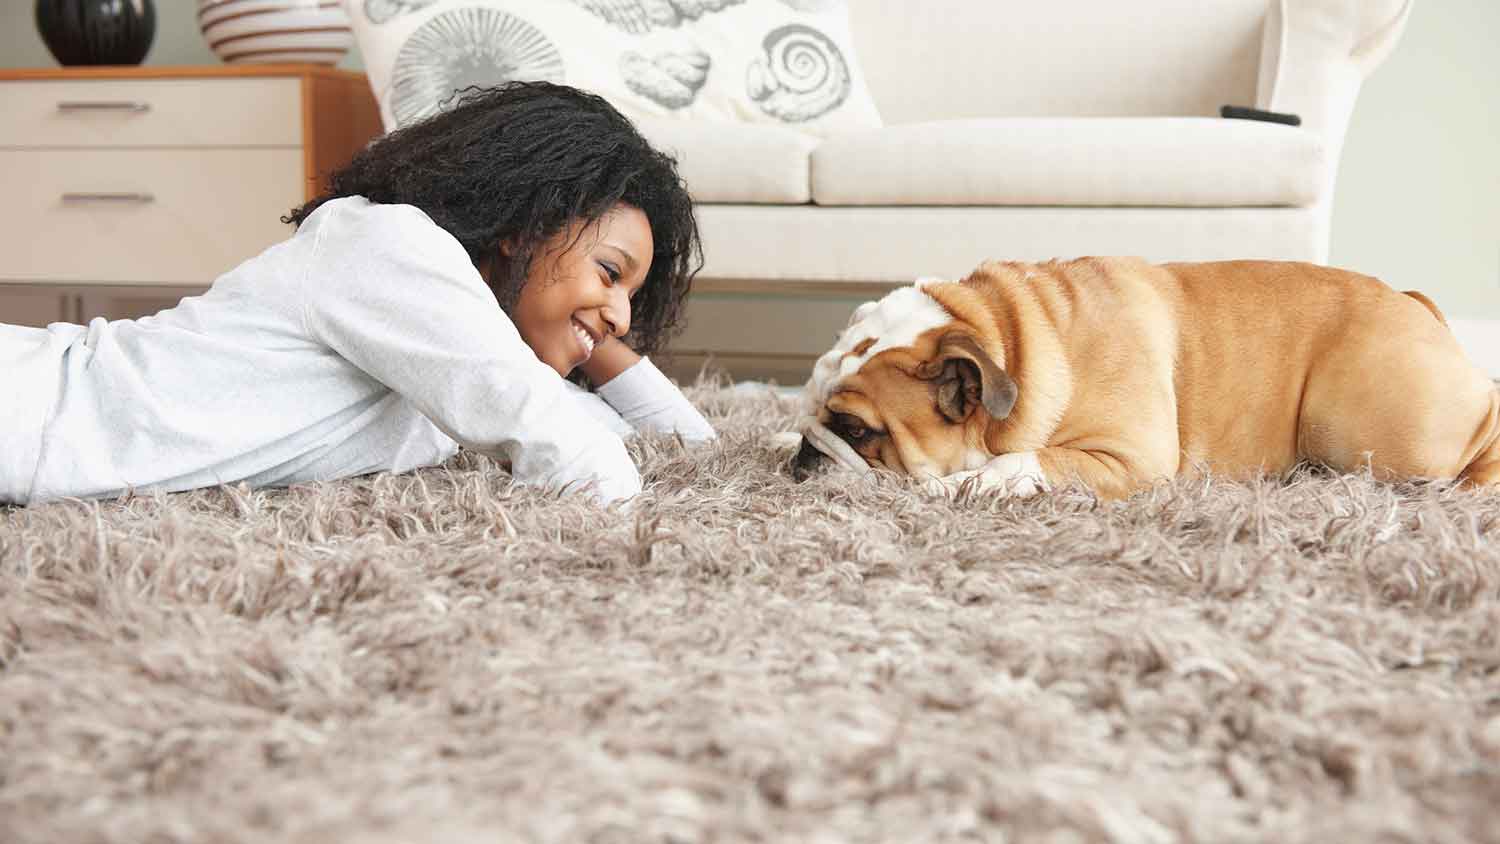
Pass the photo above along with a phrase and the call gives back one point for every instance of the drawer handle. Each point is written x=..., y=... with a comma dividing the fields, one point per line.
x=125, y=196
x=102, y=105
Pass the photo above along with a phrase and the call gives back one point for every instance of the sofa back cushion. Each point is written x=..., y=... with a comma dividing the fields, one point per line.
x=1035, y=58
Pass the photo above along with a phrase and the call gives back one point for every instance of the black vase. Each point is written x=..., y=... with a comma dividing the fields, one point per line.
x=97, y=31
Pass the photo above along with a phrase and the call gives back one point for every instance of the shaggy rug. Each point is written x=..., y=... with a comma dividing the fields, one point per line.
x=442, y=657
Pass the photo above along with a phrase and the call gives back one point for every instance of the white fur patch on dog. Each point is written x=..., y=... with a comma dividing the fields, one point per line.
x=785, y=440
x=893, y=322
x=861, y=312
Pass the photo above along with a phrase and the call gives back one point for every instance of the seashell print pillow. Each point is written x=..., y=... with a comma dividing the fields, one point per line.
x=783, y=62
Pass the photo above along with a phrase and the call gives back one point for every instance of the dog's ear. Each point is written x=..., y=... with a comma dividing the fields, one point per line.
x=964, y=377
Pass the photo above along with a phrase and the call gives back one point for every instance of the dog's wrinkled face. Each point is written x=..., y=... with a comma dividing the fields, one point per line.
x=900, y=390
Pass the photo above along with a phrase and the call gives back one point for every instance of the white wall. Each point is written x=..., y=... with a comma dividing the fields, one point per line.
x=1418, y=200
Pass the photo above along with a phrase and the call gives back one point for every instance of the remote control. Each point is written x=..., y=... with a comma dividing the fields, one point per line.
x=1245, y=113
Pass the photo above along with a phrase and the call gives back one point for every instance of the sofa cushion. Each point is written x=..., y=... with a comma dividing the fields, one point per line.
x=736, y=162
x=767, y=243
x=1070, y=161
x=1067, y=58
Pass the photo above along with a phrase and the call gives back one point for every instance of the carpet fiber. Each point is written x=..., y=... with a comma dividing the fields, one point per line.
x=440, y=657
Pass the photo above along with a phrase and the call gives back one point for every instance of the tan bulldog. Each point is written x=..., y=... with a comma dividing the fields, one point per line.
x=1116, y=373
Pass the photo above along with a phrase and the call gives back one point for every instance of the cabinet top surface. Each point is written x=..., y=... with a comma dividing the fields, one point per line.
x=177, y=72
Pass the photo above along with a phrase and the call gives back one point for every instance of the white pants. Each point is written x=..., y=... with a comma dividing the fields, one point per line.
x=30, y=365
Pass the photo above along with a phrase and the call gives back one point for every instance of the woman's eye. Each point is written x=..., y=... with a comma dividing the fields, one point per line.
x=612, y=272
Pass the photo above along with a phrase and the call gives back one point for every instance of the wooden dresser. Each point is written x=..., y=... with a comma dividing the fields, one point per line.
x=127, y=188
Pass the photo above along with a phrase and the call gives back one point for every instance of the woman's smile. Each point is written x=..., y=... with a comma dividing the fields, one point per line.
x=585, y=339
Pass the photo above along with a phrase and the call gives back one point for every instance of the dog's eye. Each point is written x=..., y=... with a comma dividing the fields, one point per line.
x=852, y=428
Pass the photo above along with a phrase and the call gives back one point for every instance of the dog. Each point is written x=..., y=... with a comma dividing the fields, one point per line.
x=1117, y=373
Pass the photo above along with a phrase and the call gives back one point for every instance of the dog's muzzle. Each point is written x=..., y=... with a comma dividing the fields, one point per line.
x=807, y=461
x=820, y=445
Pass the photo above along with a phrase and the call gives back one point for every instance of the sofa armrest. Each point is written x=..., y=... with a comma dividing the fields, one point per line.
x=1316, y=53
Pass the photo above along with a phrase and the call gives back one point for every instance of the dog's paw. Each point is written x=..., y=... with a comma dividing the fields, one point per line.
x=1018, y=475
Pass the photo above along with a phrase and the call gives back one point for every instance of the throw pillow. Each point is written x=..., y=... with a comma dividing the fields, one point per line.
x=782, y=62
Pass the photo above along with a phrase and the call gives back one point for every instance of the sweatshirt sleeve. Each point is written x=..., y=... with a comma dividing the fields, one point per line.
x=397, y=296
x=648, y=401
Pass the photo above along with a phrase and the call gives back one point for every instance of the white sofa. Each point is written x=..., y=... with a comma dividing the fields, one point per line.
x=1025, y=130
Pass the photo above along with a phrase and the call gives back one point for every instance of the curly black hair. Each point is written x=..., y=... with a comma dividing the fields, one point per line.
x=518, y=163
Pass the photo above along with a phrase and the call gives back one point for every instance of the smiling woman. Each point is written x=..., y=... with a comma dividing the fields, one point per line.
x=578, y=292
x=514, y=171
x=436, y=295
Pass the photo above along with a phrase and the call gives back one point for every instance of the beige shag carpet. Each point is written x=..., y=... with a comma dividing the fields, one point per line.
x=439, y=657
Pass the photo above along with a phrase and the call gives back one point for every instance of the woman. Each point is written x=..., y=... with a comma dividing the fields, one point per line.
x=435, y=296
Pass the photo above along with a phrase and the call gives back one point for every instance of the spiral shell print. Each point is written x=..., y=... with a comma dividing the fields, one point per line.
x=470, y=46
x=801, y=76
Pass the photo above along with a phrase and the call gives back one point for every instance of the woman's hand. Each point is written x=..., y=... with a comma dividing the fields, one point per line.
x=610, y=358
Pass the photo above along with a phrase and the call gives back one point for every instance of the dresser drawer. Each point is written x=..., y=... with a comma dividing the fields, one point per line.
x=141, y=216
x=151, y=112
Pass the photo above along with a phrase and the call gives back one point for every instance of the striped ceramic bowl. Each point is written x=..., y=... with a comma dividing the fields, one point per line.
x=276, y=31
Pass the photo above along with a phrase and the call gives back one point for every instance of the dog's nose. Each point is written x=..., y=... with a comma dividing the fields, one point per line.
x=807, y=459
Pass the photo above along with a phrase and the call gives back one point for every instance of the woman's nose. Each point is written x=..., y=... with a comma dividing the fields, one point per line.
x=617, y=313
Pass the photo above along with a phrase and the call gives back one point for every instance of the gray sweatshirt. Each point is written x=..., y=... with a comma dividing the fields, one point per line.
x=366, y=342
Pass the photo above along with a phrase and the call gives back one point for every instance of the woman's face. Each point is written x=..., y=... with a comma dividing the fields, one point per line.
x=579, y=286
